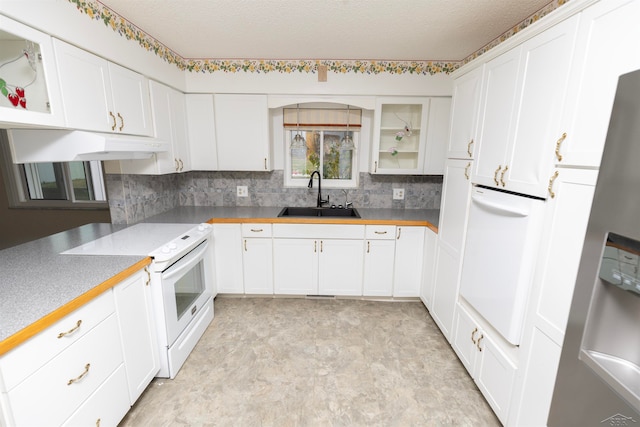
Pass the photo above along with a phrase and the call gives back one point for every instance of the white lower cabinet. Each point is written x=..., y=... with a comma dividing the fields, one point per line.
x=257, y=258
x=319, y=259
x=407, y=276
x=428, y=269
x=379, y=260
x=137, y=331
x=227, y=240
x=486, y=360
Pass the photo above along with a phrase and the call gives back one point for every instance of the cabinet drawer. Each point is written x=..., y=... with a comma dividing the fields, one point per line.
x=318, y=231
x=47, y=344
x=380, y=232
x=256, y=230
x=107, y=406
x=60, y=386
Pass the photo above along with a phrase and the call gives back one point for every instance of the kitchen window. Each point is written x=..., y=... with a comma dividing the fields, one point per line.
x=325, y=140
x=67, y=185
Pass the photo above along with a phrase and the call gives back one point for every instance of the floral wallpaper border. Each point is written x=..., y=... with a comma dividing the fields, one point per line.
x=99, y=12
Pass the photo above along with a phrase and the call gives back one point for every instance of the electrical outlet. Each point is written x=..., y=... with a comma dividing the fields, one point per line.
x=398, y=194
x=242, y=190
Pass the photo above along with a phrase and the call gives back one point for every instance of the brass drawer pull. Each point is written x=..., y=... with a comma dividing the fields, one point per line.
x=473, y=333
x=558, y=144
x=469, y=152
x=375, y=166
x=315, y=246
x=368, y=247
x=245, y=245
x=81, y=376
x=495, y=175
x=121, y=122
x=380, y=232
x=399, y=232
x=478, y=343
x=551, y=181
x=181, y=165
x=257, y=230
x=466, y=170
x=146, y=269
x=113, y=127
x=70, y=331
x=502, y=175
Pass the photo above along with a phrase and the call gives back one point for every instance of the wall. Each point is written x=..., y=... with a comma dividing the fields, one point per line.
x=133, y=198
x=22, y=225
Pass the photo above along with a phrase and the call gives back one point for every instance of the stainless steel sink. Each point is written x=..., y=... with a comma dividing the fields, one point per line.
x=292, y=211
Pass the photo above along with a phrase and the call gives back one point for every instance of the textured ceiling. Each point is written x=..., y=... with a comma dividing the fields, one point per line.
x=438, y=30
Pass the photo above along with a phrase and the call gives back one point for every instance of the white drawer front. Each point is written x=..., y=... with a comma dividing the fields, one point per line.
x=109, y=403
x=22, y=361
x=96, y=355
x=318, y=231
x=256, y=230
x=380, y=232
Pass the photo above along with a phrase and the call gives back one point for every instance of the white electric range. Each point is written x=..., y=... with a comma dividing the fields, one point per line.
x=181, y=281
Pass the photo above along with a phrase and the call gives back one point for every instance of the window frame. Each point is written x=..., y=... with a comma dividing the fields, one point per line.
x=290, y=182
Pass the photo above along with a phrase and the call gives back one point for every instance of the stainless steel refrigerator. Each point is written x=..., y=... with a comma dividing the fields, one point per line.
x=598, y=381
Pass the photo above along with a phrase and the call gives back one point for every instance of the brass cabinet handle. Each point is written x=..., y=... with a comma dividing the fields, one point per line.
x=181, y=164
x=466, y=170
x=473, y=335
x=245, y=245
x=70, y=331
x=98, y=422
x=375, y=166
x=177, y=164
x=146, y=269
x=257, y=230
x=113, y=127
x=380, y=232
x=321, y=246
x=81, y=376
x=558, y=143
x=368, y=246
x=478, y=343
x=502, y=175
x=265, y=163
x=551, y=181
x=399, y=232
x=495, y=175
x=469, y=152
x=121, y=122
x=315, y=243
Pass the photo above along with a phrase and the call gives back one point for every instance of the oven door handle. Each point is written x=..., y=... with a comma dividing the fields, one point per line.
x=189, y=260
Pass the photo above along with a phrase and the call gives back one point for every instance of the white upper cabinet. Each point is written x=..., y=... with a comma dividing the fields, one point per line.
x=437, y=136
x=464, y=115
x=29, y=90
x=201, y=128
x=522, y=103
x=399, y=136
x=242, y=132
x=608, y=34
x=102, y=96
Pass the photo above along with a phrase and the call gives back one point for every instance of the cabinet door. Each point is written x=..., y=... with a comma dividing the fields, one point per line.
x=464, y=339
x=608, y=35
x=340, y=267
x=378, y=267
x=137, y=331
x=131, y=103
x=179, y=136
x=437, y=136
x=428, y=284
x=43, y=104
x=85, y=88
x=454, y=208
x=295, y=266
x=445, y=294
x=391, y=154
x=201, y=132
x=407, y=277
x=495, y=376
x=257, y=259
x=530, y=155
x=242, y=132
x=227, y=239
x=496, y=116
x=464, y=114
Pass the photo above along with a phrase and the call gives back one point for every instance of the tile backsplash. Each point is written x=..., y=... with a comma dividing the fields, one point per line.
x=133, y=198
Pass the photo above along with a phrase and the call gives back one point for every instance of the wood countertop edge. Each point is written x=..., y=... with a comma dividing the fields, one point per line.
x=40, y=325
x=398, y=222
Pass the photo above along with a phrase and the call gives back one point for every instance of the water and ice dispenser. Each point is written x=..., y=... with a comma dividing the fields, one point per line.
x=611, y=340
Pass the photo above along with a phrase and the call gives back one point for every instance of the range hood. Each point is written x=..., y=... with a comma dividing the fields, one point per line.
x=55, y=145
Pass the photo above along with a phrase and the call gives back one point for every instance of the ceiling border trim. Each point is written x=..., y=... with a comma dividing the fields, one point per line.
x=119, y=24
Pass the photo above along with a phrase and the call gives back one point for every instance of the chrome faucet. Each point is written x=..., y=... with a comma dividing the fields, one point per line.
x=320, y=201
x=347, y=203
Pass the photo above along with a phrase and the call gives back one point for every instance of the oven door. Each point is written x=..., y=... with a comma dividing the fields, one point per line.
x=186, y=287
